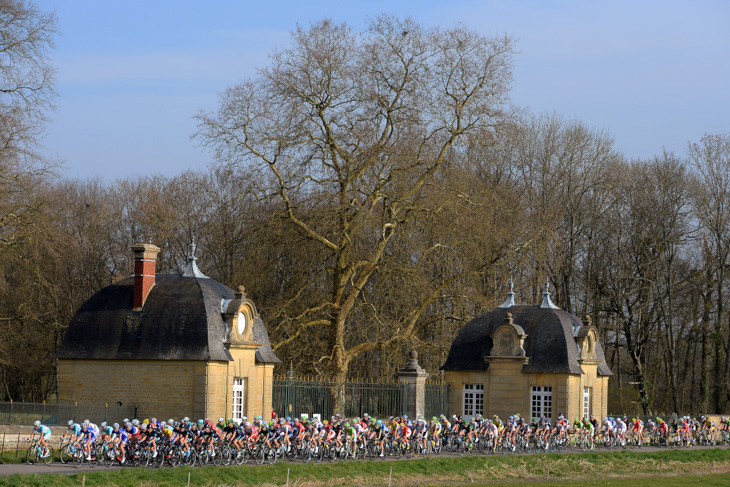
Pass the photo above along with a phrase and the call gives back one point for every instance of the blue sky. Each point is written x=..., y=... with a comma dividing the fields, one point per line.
x=131, y=75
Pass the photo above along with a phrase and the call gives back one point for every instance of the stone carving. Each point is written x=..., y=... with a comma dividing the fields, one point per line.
x=508, y=340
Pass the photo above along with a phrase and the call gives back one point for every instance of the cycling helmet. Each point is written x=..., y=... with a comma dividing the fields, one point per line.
x=220, y=420
x=70, y=423
x=125, y=420
x=153, y=420
x=37, y=423
x=116, y=426
x=103, y=424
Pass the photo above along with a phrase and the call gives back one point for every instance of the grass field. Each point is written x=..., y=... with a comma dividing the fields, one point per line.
x=707, y=467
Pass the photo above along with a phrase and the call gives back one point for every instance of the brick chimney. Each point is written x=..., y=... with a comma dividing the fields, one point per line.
x=145, y=260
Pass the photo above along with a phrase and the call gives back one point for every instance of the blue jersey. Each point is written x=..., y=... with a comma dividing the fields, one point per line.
x=122, y=434
x=43, y=429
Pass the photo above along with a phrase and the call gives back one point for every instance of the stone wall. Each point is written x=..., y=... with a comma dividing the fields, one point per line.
x=508, y=391
x=169, y=389
x=163, y=389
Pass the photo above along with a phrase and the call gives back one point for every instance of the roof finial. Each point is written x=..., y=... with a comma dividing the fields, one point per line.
x=192, y=269
x=510, y=296
x=546, y=301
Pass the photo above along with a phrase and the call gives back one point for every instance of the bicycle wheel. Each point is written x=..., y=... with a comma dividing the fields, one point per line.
x=65, y=454
x=415, y=447
x=94, y=456
x=31, y=455
x=176, y=458
x=48, y=457
x=318, y=453
x=190, y=457
x=158, y=460
x=216, y=457
x=260, y=455
x=240, y=457
x=226, y=456
x=79, y=457
x=109, y=456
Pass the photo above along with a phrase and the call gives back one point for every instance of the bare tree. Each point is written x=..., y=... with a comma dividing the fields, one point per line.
x=26, y=95
x=711, y=159
x=345, y=131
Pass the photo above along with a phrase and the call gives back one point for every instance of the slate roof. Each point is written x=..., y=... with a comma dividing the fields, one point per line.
x=181, y=320
x=550, y=343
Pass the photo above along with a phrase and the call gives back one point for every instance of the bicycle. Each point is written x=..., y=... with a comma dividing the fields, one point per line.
x=37, y=452
x=66, y=450
x=79, y=456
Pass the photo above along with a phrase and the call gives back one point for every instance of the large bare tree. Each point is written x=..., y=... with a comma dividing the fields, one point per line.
x=26, y=95
x=711, y=159
x=346, y=131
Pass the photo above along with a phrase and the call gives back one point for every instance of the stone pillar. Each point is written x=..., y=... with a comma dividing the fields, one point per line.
x=415, y=379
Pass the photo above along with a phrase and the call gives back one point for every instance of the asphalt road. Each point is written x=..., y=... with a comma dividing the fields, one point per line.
x=68, y=469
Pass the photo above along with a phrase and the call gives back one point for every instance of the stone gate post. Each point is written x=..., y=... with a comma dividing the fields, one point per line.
x=413, y=376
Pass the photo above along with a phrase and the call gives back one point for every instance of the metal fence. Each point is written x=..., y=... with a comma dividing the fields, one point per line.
x=25, y=413
x=437, y=398
x=294, y=397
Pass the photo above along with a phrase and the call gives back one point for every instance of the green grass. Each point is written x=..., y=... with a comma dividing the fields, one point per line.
x=720, y=480
x=661, y=469
x=12, y=457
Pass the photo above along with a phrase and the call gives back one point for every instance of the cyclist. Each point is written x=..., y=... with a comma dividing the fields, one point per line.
x=44, y=434
x=350, y=435
x=492, y=432
x=379, y=432
x=663, y=428
x=621, y=430
x=589, y=430
x=105, y=431
x=120, y=437
x=89, y=438
x=74, y=429
x=435, y=430
x=420, y=431
x=638, y=426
